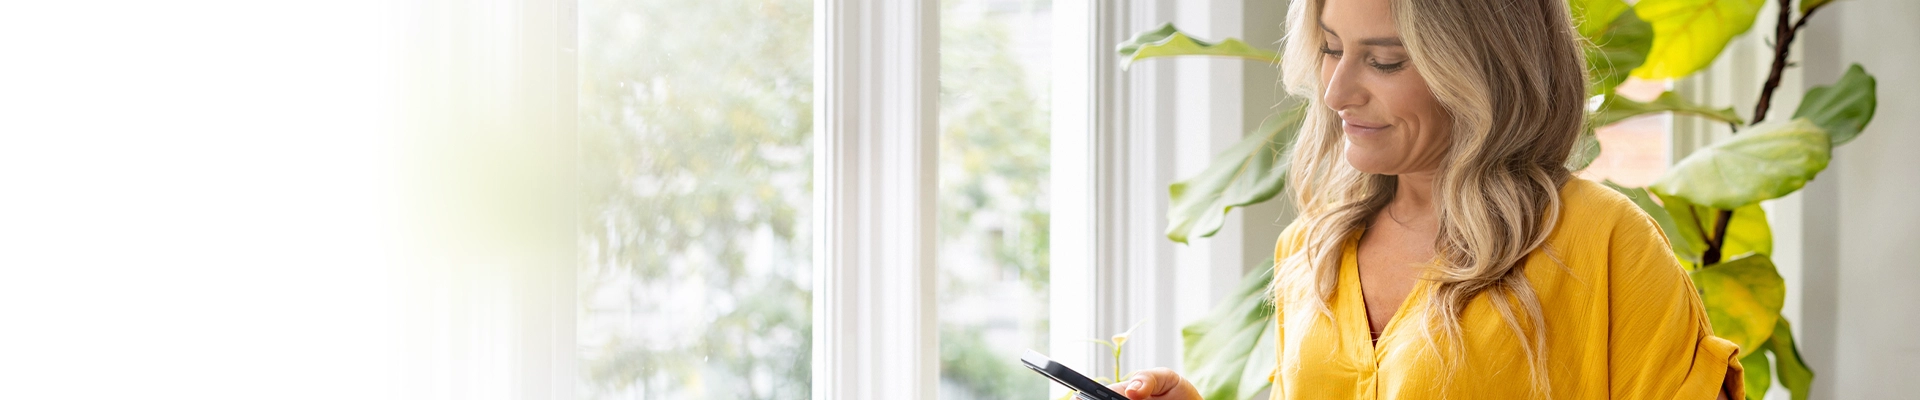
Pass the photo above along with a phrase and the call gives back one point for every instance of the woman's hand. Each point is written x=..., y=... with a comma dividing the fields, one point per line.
x=1157, y=384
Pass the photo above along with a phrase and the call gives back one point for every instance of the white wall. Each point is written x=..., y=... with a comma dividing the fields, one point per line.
x=1861, y=282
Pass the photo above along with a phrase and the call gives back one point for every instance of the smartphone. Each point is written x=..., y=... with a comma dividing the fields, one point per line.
x=1087, y=388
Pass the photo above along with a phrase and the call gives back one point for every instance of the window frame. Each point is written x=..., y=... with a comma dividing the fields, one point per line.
x=875, y=173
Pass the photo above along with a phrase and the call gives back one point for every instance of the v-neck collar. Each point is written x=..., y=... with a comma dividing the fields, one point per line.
x=1357, y=325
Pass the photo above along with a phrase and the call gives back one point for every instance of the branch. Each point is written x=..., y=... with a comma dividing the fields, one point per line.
x=1784, y=31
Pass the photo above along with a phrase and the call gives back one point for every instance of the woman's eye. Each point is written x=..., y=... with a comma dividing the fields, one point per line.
x=1330, y=52
x=1388, y=68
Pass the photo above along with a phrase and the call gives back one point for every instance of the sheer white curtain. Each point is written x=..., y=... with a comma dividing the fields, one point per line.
x=238, y=199
x=487, y=283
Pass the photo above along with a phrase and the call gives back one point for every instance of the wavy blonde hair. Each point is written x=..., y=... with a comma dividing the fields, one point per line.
x=1512, y=75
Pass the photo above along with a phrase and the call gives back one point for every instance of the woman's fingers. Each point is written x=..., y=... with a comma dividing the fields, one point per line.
x=1129, y=388
x=1157, y=381
x=1148, y=384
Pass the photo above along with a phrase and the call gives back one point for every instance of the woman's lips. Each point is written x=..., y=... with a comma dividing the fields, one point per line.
x=1362, y=128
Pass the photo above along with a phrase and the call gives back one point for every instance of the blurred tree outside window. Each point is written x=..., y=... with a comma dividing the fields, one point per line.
x=994, y=160
x=694, y=123
x=695, y=128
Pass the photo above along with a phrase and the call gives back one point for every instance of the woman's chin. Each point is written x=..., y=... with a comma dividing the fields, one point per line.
x=1368, y=163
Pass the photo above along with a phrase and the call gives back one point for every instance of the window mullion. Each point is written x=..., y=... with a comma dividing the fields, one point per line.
x=875, y=169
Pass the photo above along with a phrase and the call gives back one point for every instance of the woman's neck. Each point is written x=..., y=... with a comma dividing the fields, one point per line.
x=1412, y=203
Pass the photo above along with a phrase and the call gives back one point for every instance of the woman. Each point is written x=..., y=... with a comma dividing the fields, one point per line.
x=1442, y=250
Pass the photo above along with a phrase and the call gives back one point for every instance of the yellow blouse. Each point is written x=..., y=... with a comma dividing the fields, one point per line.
x=1623, y=321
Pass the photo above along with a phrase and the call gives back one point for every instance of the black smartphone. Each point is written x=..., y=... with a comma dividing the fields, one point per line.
x=1087, y=388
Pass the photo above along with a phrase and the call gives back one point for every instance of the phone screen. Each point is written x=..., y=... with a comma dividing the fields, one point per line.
x=1068, y=377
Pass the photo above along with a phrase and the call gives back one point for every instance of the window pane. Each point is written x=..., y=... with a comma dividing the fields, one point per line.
x=993, y=196
x=1634, y=151
x=694, y=127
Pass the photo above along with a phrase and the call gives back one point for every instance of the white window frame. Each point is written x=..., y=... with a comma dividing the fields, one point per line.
x=875, y=168
x=1115, y=150
x=1119, y=139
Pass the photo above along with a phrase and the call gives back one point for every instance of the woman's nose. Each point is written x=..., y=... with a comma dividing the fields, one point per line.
x=1343, y=90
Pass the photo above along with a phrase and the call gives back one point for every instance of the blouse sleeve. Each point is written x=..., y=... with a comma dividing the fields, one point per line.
x=1660, y=342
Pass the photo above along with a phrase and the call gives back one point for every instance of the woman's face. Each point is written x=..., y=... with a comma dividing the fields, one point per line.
x=1391, y=122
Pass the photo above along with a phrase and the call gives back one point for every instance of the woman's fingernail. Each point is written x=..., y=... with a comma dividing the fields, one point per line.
x=1135, y=385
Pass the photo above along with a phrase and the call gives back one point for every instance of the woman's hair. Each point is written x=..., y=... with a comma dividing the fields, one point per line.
x=1511, y=75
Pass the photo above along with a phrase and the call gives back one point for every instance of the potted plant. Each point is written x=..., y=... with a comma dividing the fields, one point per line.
x=1708, y=204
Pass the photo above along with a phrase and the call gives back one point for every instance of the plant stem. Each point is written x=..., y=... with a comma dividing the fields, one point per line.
x=1784, y=31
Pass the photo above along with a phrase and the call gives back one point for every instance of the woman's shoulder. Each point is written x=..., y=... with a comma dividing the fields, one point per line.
x=1587, y=205
x=1290, y=238
x=1600, y=220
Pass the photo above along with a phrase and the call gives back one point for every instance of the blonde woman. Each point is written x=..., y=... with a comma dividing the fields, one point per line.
x=1442, y=250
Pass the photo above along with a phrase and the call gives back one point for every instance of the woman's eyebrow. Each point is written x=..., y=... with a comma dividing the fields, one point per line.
x=1378, y=41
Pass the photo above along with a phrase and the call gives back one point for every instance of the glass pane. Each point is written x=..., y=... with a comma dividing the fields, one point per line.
x=993, y=196
x=1634, y=151
x=694, y=127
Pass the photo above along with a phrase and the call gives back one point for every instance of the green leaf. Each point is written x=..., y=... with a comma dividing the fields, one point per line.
x=1764, y=162
x=1844, y=108
x=1743, y=299
x=1748, y=232
x=1689, y=34
x=1224, y=351
x=1250, y=172
x=1168, y=41
x=1586, y=148
x=1661, y=217
x=1620, y=48
x=1592, y=16
x=1809, y=5
x=1690, y=225
x=1758, y=376
x=1792, y=369
x=1617, y=108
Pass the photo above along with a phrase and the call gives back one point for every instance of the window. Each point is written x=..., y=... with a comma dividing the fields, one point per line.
x=993, y=203
x=1635, y=151
x=761, y=217
x=695, y=170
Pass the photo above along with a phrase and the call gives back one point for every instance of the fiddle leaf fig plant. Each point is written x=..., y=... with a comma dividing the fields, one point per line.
x=1168, y=41
x=1708, y=204
x=1230, y=352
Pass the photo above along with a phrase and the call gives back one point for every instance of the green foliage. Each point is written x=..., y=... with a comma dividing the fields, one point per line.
x=1793, y=371
x=1764, y=162
x=680, y=158
x=1231, y=350
x=967, y=359
x=1619, y=47
x=1757, y=376
x=1658, y=39
x=993, y=208
x=1809, y=5
x=1689, y=34
x=1252, y=171
x=689, y=143
x=1743, y=299
x=1168, y=41
x=1617, y=108
x=1843, y=108
x=1747, y=232
x=1591, y=17
x=1586, y=148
